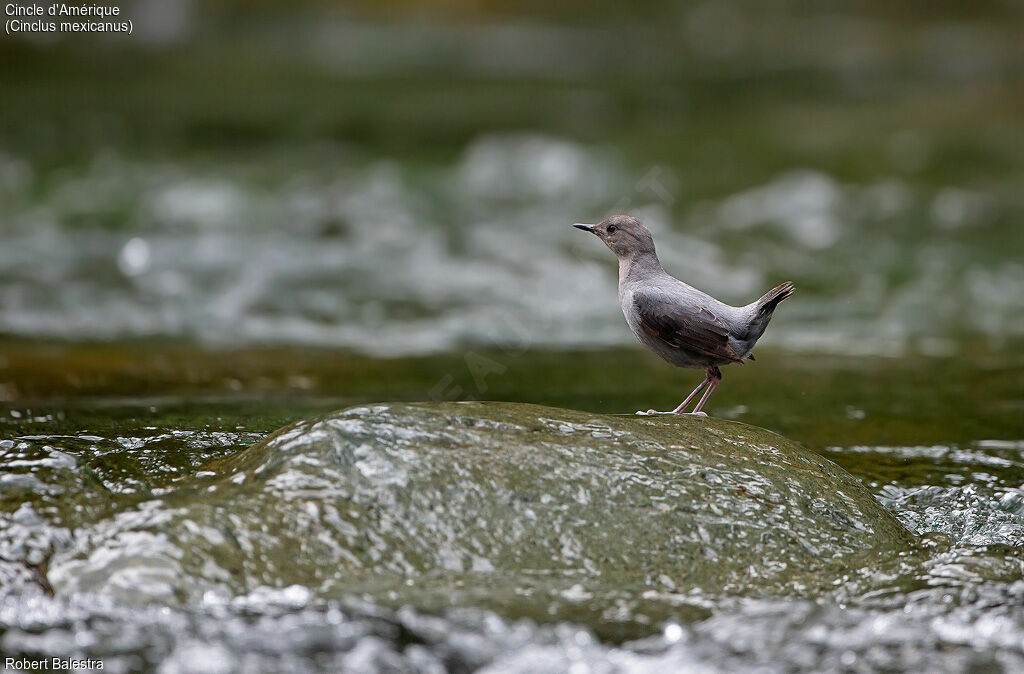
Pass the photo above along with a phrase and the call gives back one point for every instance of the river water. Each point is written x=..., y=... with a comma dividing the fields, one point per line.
x=86, y=476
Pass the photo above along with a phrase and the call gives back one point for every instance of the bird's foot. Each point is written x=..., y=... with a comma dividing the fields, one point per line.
x=652, y=412
x=673, y=412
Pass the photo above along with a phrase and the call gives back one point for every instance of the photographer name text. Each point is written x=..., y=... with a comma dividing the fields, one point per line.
x=54, y=664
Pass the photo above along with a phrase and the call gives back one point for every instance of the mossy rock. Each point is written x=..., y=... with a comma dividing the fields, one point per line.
x=530, y=510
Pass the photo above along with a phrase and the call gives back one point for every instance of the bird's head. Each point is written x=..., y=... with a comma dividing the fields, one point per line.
x=623, y=234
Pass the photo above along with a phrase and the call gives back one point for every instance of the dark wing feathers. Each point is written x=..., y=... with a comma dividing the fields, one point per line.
x=684, y=326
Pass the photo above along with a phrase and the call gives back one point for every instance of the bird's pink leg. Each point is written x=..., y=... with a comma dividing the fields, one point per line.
x=682, y=405
x=714, y=378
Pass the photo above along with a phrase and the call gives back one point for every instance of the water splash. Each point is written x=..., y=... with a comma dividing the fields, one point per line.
x=381, y=258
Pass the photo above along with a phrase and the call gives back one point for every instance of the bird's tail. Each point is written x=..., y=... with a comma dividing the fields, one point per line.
x=766, y=305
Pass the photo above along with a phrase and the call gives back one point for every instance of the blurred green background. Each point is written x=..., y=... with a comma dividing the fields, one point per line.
x=396, y=180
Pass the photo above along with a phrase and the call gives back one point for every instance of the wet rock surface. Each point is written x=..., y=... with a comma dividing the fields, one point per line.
x=533, y=511
x=504, y=538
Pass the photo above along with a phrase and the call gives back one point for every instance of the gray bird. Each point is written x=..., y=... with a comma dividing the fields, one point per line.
x=681, y=324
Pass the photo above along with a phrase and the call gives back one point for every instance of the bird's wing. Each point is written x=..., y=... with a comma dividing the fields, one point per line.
x=684, y=325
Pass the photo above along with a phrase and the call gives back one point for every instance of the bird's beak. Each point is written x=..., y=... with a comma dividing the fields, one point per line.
x=585, y=228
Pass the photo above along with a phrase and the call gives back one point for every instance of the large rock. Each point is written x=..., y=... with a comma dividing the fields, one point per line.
x=530, y=510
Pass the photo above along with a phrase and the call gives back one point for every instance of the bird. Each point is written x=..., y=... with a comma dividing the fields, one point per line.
x=684, y=326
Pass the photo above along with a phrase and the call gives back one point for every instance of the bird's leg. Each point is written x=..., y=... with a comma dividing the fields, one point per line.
x=682, y=405
x=714, y=379
x=693, y=394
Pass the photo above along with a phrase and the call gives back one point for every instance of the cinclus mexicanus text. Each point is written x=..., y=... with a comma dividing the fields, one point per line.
x=681, y=324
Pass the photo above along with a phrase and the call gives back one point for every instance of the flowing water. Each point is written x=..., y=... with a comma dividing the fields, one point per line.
x=93, y=478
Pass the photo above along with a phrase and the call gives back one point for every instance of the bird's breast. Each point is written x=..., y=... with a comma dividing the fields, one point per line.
x=629, y=311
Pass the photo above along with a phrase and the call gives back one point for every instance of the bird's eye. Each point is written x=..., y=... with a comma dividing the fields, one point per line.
x=611, y=229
